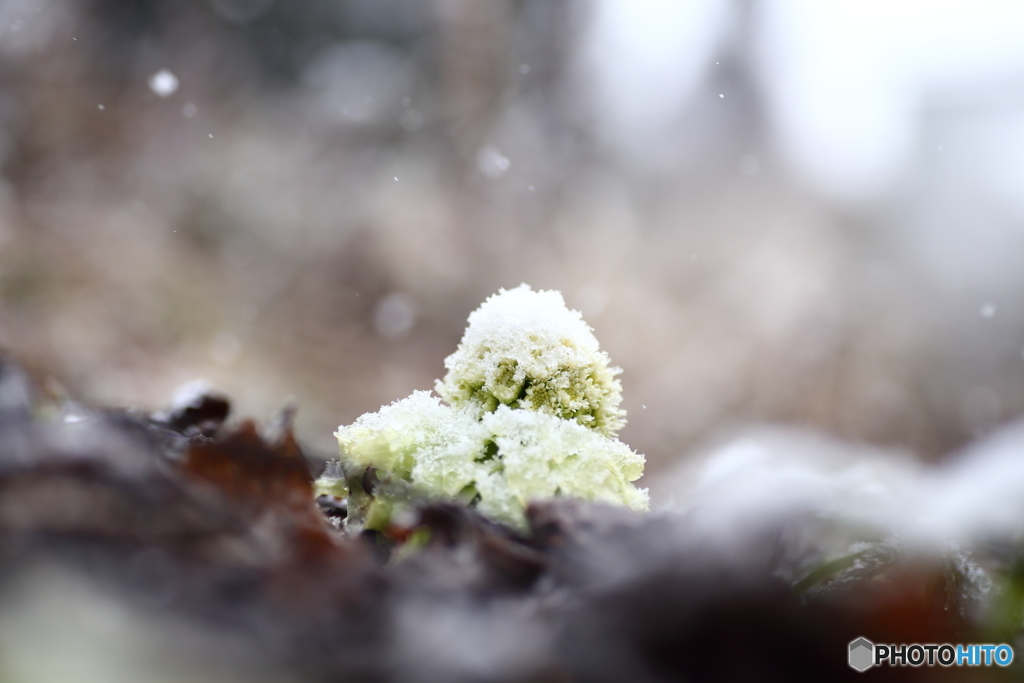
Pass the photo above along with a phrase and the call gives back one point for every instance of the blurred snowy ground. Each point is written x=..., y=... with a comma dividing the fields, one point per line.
x=767, y=477
x=797, y=213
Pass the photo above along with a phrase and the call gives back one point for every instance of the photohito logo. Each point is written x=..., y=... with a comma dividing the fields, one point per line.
x=864, y=654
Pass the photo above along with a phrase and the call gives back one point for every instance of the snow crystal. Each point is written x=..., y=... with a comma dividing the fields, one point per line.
x=163, y=83
x=491, y=162
x=394, y=315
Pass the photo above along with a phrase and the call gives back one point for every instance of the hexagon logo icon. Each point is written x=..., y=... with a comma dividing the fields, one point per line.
x=862, y=654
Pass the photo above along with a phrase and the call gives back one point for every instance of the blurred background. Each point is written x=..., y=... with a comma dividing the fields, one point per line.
x=770, y=211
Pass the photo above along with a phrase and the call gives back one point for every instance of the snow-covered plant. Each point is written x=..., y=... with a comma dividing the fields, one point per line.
x=525, y=349
x=532, y=412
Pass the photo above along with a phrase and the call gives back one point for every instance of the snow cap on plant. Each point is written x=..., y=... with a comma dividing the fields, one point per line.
x=525, y=349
